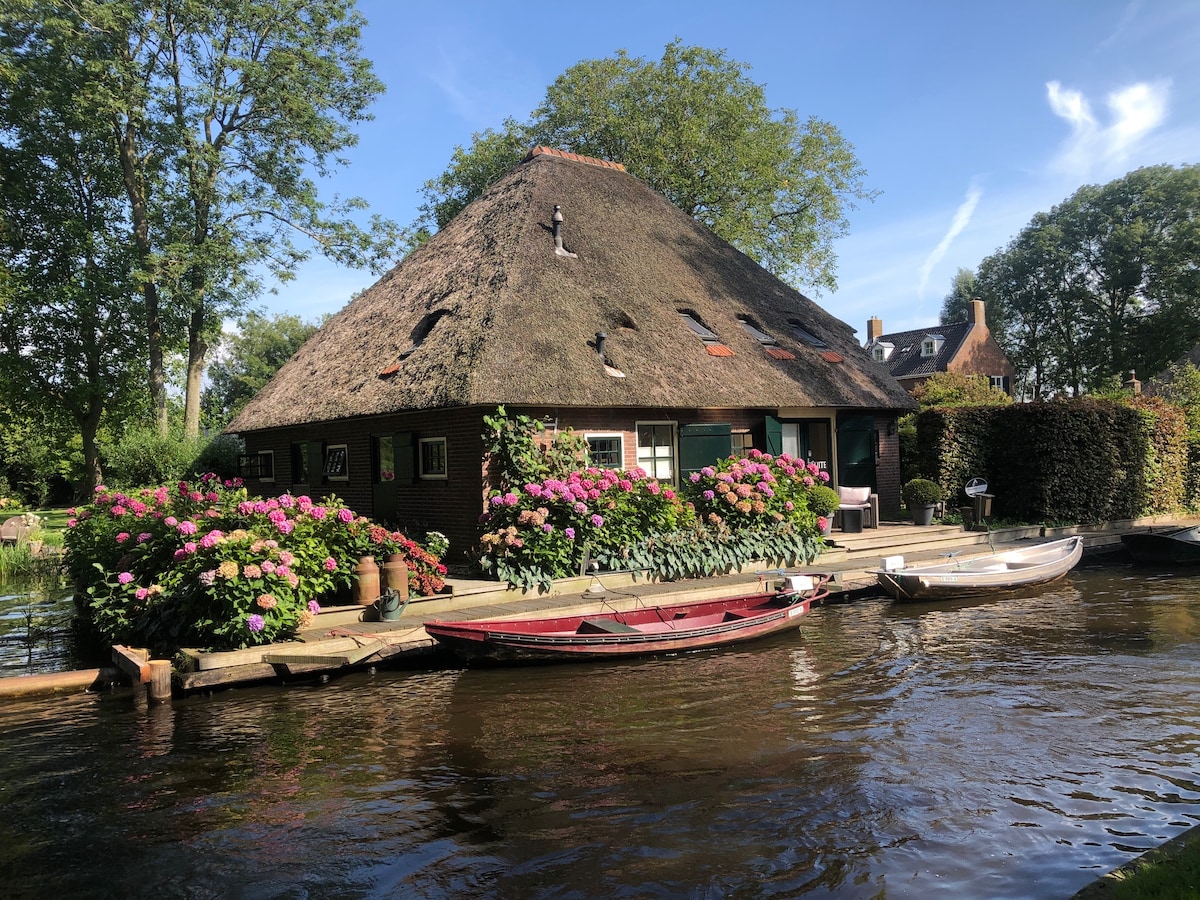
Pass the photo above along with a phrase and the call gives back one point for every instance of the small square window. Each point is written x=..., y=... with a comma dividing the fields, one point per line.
x=433, y=457
x=741, y=443
x=606, y=451
x=336, y=466
x=260, y=465
x=996, y=381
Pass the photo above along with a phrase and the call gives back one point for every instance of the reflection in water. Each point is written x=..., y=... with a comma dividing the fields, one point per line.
x=1011, y=748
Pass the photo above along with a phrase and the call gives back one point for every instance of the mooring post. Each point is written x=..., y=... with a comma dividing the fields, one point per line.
x=160, y=679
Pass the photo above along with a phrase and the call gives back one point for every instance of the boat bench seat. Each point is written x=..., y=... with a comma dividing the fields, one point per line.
x=731, y=616
x=599, y=626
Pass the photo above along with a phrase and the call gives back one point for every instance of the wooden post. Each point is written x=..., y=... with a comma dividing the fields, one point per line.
x=160, y=679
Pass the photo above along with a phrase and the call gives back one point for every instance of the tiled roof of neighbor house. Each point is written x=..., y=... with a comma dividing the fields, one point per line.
x=487, y=312
x=906, y=359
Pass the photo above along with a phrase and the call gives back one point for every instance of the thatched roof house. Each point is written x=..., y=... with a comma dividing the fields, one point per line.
x=632, y=314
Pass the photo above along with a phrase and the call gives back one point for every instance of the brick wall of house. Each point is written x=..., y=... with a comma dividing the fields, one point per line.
x=887, y=467
x=453, y=505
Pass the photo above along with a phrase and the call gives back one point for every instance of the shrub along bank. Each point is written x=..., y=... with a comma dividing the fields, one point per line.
x=1077, y=460
x=205, y=565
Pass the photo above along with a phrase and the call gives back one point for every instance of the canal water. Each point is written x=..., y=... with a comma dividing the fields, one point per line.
x=987, y=749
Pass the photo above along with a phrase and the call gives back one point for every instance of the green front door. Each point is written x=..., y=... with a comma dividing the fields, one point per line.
x=856, y=451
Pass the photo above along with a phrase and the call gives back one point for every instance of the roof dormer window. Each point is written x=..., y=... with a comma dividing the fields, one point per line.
x=931, y=344
x=882, y=351
x=769, y=344
x=806, y=335
x=712, y=343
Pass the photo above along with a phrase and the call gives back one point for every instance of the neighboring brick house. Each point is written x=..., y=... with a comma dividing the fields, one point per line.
x=628, y=322
x=967, y=347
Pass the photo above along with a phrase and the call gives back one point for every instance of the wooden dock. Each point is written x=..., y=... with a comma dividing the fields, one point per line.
x=350, y=637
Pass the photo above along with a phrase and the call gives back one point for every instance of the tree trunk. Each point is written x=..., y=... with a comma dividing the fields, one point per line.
x=197, y=350
x=93, y=477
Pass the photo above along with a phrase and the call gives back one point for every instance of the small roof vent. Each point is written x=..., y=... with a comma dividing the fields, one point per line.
x=556, y=227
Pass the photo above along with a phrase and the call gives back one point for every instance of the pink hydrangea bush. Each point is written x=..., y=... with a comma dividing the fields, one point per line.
x=206, y=565
x=757, y=491
x=541, y=531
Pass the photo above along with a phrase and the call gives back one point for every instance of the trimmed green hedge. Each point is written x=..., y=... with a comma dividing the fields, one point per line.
x=1076, y=460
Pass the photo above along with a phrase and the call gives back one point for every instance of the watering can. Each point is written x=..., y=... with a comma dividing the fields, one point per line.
x=390, y=605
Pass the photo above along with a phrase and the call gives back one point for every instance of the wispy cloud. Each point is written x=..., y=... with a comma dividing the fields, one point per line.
x=962, y=217
x=1134, y=113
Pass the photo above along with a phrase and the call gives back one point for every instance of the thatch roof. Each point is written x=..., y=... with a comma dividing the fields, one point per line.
x=487, y=313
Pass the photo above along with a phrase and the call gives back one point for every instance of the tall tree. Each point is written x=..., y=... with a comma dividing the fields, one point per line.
x=69, y=346
x=248, y=358
x=957, y=304
x=698, y=130
x=222, y=113
x=1104, y=283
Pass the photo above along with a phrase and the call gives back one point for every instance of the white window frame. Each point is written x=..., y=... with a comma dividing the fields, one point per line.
x=996, y=381
x=607, y=436
x=674, y=458
x=432, y=476
x=931, y=344
x=330, y=449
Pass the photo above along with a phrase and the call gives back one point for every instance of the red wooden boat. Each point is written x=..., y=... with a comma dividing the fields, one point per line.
x=634, y=632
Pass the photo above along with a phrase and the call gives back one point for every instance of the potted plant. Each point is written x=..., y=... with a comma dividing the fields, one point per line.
x=920, y=496
x=823, y=501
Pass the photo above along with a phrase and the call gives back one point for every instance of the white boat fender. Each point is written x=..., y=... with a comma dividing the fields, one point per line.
x=893, y=563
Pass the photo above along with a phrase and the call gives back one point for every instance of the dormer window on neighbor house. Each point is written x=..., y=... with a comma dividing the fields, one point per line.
x=712, y=343
x=931, y=344
x=882, y=351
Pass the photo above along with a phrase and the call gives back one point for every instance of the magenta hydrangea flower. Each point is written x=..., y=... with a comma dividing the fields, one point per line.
x=118, y=511
x=143, y=537
x=708, y=495
x=171, y=520
x=330, y=564
x=286, y=527
x=255, y=622
x=569, y=532
x=141, y=593
x=345, y=516
x=314, y=607
x=190, y=547
x=287, y=501
x=317, y=512
x=122, y=537
x=125, y=578
x=597, y=519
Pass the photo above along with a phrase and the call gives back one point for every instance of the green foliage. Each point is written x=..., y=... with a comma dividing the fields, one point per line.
x=695, y=128
x=957, y=389
x=920, y=492
x=823, y=500
x=1181, y=387
x=143, y=456
x=204, y=565
x=520, y=450
x=1095, y=460
x=736, y=511
x=1101, y=285
x=247, y=359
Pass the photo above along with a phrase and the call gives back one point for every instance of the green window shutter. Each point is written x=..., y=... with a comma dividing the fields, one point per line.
x=702, y=445
x=774, y=436
x=405, y=458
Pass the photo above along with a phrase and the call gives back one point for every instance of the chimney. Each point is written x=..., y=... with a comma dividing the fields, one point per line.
x=976, y=316
x=874, y=329
x=1131, y=383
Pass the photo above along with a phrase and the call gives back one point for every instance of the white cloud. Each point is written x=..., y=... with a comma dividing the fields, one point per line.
x=962, y=217
x=1134, y=113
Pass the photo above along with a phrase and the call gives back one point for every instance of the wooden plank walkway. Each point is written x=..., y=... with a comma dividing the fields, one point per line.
x=345, y=637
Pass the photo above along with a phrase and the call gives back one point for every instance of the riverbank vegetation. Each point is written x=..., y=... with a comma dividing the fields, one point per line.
x=202, y=564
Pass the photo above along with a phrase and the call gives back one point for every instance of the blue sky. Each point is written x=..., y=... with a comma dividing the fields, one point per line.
x=968, y=117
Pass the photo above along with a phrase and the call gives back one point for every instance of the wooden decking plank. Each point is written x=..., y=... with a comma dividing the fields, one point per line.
x=133, y=662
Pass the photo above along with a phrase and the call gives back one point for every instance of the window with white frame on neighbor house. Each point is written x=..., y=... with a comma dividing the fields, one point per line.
x=656, y=449
x=433, y=458
x=606, y=451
